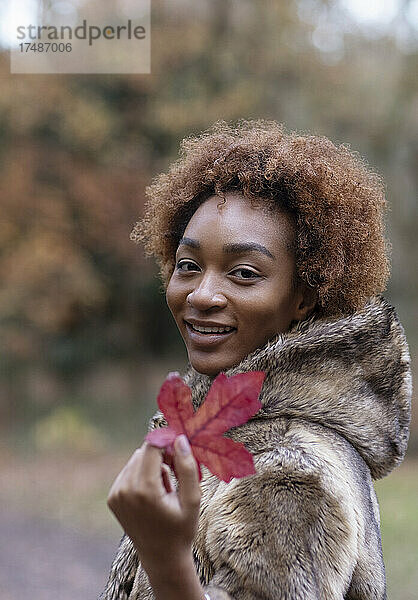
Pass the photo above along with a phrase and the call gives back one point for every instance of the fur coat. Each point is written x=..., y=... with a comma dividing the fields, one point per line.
x=335, y=415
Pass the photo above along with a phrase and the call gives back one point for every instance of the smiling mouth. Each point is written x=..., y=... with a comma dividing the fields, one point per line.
x=210, y=330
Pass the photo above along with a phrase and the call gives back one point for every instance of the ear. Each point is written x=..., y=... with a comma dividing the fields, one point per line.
x=307, y=299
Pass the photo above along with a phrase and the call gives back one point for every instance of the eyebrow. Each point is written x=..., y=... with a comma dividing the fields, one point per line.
x=238, y=248
x=185, y=241
x=242, y=247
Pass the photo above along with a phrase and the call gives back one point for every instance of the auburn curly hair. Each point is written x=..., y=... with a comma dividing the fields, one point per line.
x=337, y=204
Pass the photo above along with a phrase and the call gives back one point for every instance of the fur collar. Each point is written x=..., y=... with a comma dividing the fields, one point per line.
x=349, y=374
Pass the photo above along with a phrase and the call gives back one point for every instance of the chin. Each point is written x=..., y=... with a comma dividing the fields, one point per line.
x=206, y=369
x=210, y=367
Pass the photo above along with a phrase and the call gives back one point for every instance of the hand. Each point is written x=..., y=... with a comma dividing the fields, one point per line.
x=160, y=521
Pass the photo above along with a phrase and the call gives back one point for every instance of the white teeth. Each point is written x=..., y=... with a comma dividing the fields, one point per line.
x=212, y=329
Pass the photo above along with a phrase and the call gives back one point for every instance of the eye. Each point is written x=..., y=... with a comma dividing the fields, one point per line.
x=245, y=274
x=186, y=266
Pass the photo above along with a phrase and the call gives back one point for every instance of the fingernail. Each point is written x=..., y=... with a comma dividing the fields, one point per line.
x=183, y=445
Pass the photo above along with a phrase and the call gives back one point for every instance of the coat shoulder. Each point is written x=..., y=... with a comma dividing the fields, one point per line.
x=305, y=521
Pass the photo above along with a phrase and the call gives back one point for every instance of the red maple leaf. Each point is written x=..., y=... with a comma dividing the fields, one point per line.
x=230, y=402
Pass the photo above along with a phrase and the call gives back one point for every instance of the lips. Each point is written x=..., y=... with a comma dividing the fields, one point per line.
x=208, y=334
x=207, y=329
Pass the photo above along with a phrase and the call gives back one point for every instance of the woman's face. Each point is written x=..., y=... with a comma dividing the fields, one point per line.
x=231, y=289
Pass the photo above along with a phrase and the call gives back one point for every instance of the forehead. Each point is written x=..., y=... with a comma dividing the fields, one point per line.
x=237, y=219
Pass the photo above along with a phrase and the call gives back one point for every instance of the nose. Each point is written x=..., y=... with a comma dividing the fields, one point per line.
x=207, y=294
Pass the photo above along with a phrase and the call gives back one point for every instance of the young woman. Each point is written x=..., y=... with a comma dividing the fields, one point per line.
x=271, y=247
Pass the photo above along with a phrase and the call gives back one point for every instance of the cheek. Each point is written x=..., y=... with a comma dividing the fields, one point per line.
x=268, y=304
x=272, y=315
x=170, y=295
x=174, y=297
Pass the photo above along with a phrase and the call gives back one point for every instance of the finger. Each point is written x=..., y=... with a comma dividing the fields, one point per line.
x=150, y=472
x=165, y=474
x=132, y=464
x=187, y=474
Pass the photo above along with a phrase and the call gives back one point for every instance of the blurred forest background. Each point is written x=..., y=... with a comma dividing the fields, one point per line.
x=85, y=337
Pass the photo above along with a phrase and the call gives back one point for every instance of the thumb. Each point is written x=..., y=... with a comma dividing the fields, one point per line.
x=187, y=474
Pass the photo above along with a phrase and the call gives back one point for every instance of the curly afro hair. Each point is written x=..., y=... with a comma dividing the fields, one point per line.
x=337, y=204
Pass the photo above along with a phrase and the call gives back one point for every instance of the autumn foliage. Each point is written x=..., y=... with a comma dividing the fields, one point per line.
x=230, y=402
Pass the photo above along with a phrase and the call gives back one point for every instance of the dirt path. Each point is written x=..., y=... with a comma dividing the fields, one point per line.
x=43, y=560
